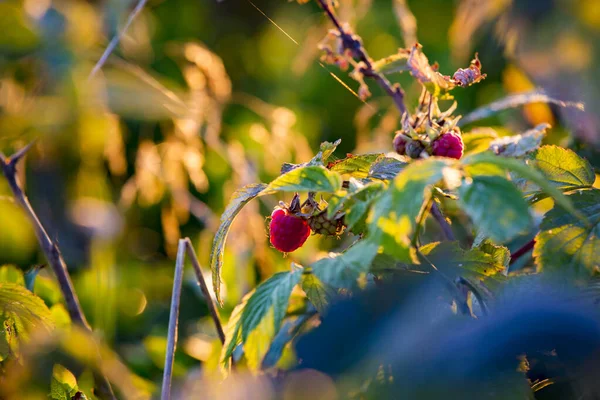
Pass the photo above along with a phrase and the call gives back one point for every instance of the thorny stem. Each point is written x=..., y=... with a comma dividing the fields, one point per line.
x=353, y=43
x=527, y=247
x=439, y=217
x=53, y=255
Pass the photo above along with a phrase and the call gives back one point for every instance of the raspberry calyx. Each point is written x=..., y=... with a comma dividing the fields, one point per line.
x=449, y=144
x=287, y=232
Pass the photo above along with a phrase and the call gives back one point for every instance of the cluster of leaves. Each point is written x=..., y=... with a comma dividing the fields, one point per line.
x=386, y=200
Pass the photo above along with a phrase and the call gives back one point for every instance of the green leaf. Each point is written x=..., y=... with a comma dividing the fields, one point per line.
x=21, y=314
x=478, y=140
x=394, y=215
x=258, y=319
x=386, y=168
x=239, y=199
x=233, y=337
x=496, y=207
x=566, y=242
x=525, y=171
x=500, y=254
x=513, y=101
x=564, y=169
x=520, y=145
x=63, y=385
x=326, y=150
x=318, y=293
x=355, y=166
x=343, y=269
x=306, y=179
x=355, y=204
x=11, y=274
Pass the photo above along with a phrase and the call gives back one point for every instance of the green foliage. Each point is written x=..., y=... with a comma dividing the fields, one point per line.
x=317, y=292
x=356, y=166
x=519, y=145
x=342, y=270
x=64, y=384
x=496, y=206
x=312, y=178
x=568, y=243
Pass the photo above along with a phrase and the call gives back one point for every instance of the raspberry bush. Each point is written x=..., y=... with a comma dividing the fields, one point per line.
x=443, y=188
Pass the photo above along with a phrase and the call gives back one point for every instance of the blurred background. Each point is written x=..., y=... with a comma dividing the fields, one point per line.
x=203, y=97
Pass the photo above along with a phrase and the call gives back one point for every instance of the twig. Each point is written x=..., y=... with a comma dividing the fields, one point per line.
x=115, y=40
x=439, y=217
x=53, y=255
x=173, y=321
x=204, y=288
x=527, y=247
x=353, y=43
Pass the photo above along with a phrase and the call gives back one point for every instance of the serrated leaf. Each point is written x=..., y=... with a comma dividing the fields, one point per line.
x=526, y=172
x=452, y=260
x=567, y=243
x=21, y=314
x=255, y=322
x=520, y=145
x=355, y=166
x=478, y=140
x=355, y=204
x=325, y=151
x=386, y=168
x=306, y=179
x=343, y=269
x=496, y=207
x=393, y=217
x=500, y=254
x=239, y=199
x=514, y=101
x=564, y=168
x=63, y=385
x=318, y=293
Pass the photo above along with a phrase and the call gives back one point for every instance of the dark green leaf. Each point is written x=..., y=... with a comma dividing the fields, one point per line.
x=318, y=293
x=239, y=199
x=342, y=270
x=496, y=206
x=565, y=242
x=520, y=145
x=306, y=179
x=386, y=168
x=356, y=166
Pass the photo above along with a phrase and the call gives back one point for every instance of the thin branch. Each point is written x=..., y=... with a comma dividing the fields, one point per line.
x=439, y=217
x=527, y=247
x=212, y=307
x=353, y=43
x=173, y=321
x=53, y=255
x=115, y=40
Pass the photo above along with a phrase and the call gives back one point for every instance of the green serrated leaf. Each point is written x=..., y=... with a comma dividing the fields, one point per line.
x=356, y=204
x=306, y=179
x=500, y=254
x=394, y=215
x=239, y=199
x=355, y=166
x=325, y=151
x=520, y=145
x=343, y=269
x=496, y=207
x=63, y=385
x=525, y=171
x=21, y=314
x=563, y=168
x=567, y=243
x=318, y=293
x=386, y=168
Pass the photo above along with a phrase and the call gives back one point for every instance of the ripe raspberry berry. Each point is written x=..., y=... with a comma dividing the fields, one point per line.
x=450, y=144
x=287, y=232
x=400, y=143
x=320, y=224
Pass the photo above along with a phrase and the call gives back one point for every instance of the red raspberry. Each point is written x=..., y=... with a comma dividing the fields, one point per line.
x=450, y=144
x=400, y=143
x=287, y=232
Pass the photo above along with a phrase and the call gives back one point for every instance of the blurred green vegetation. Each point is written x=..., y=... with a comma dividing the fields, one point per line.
x=202, y=97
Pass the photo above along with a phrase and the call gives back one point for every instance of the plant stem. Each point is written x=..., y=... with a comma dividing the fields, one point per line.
x=439, y=217
x=173, y=321
x=212, y=307
x=53, y=255
x=526, y=248
x=354, y=44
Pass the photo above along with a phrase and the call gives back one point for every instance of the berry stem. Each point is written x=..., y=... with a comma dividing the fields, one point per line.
x=526, y=248
x=439, y=217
